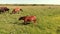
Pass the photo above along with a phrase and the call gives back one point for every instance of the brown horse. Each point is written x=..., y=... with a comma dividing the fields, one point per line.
x=28, y=19
x=16, y=10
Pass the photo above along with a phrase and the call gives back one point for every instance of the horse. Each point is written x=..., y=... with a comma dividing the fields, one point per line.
x=4, y=9
x=28, y=19
x=15, y=10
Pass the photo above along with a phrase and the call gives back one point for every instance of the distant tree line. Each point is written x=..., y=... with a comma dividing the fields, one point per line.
x=28, y=5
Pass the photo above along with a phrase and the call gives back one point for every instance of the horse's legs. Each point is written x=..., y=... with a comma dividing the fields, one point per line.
x=34, y=21
x=4, y=11
x=8, y=11
x=25, y=22
x=14, y=12
x=18, y=12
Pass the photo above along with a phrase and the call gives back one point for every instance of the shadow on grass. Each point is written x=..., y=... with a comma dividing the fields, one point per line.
x=20, y=23
x=58, y=30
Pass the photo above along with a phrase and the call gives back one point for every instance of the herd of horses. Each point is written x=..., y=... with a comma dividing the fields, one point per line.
x=26, y=19
x=15, y=10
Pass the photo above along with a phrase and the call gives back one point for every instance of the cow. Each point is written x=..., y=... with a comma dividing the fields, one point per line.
x=4, y=9
x=28, y=19
x=16, y=10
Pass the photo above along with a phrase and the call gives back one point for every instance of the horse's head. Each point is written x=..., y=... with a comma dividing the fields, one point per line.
x=21, y=18
x=6, y=9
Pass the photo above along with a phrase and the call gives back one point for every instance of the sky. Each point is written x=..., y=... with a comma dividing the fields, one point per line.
x=30, y=2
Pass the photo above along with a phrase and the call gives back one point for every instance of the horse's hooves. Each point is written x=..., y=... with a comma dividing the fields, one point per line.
x=24, y=23
x=28, y=23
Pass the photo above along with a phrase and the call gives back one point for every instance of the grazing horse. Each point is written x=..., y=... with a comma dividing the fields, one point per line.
x=4, y=9
x=16, y=10
x=28, y=19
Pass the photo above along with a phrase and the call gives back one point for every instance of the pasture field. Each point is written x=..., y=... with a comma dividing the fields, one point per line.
x=48, y=20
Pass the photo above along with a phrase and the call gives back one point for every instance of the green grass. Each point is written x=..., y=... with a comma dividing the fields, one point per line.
x=48, y=21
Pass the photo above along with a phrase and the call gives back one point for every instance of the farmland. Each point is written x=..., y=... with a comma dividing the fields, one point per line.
x=48, y=20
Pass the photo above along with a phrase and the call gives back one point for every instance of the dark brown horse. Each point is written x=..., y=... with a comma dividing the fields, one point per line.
x=4, y=9
x=28, y=19
x=15, y=10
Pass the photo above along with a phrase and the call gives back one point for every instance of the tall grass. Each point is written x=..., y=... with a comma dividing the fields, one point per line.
x=48, y=20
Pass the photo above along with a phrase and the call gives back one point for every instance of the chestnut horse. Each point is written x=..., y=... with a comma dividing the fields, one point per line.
x=28, y=19
x=16, y=10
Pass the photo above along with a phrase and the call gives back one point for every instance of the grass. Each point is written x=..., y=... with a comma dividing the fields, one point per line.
x=48, y=20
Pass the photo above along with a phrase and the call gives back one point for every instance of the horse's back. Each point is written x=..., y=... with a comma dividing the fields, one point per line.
x=17, y=9
x=30, y=17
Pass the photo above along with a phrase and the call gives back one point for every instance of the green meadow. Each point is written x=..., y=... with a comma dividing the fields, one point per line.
x=48, y=20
